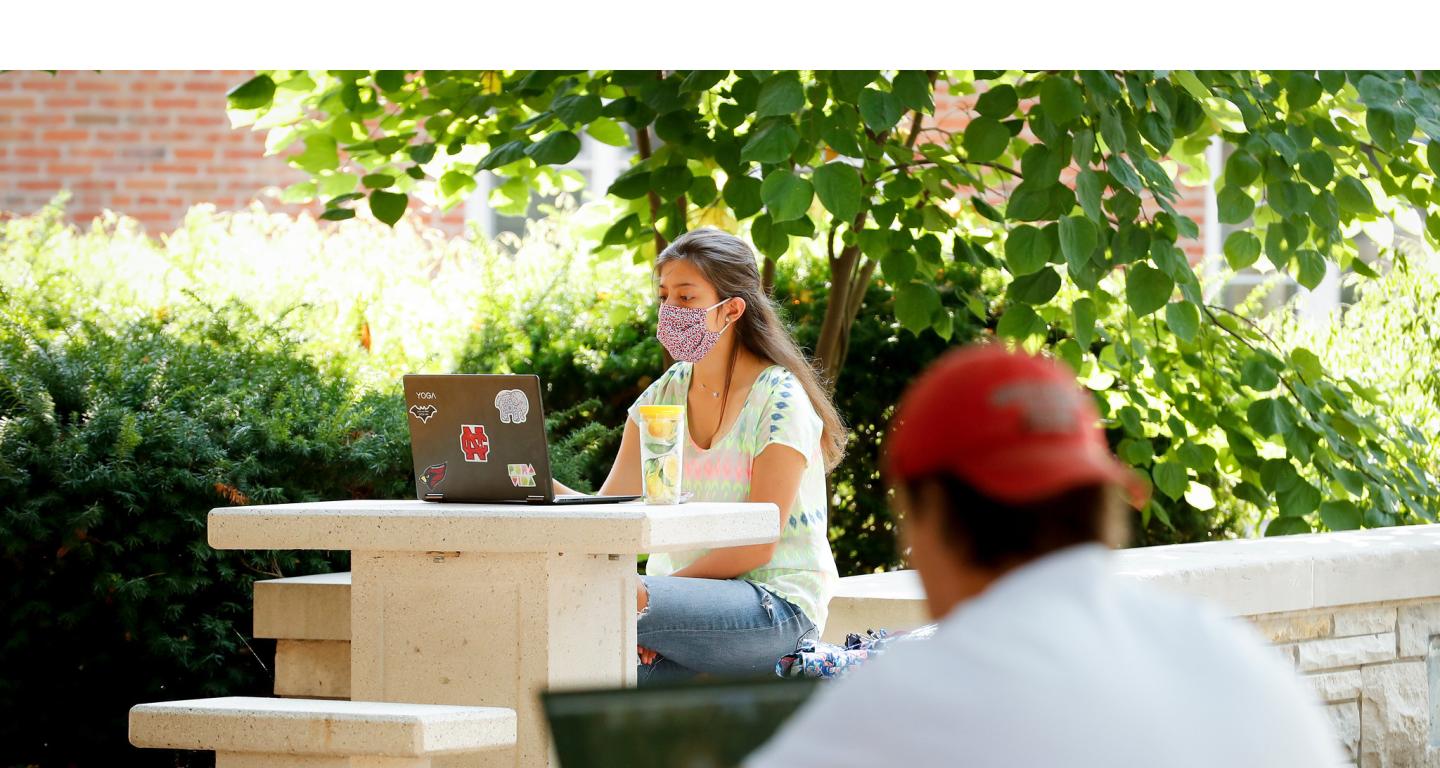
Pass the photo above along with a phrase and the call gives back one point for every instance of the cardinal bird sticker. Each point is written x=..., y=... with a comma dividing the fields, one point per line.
x=433, y=476
x=423, y=412
x=474, y=443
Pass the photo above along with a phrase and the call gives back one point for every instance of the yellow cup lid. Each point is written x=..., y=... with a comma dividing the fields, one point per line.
x=662, y=411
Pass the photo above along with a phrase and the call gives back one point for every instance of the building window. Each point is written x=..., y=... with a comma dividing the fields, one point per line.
x=599, y=163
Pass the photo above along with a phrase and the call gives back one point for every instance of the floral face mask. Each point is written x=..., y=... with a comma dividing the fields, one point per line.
x=683, y=333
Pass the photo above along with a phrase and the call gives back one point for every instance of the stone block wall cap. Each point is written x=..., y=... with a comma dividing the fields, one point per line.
x=1255, y=576
x=248, y=724
x=409, y=525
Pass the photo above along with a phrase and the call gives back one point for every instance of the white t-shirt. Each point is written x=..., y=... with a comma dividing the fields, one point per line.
x=1060, y=663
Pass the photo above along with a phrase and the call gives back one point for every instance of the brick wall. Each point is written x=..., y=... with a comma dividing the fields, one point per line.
x=148, y=144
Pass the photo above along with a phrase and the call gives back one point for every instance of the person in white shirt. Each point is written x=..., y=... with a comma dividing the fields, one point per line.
x=1010, y=501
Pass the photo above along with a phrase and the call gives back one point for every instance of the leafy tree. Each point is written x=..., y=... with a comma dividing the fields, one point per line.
x=1050, y=216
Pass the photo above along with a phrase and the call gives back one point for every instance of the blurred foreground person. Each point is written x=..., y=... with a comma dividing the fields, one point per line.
x=1011, y=501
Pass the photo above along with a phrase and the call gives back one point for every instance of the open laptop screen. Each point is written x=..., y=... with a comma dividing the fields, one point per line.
x=712, y=724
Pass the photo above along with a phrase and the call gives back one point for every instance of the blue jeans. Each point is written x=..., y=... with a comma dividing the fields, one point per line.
x=721, y=627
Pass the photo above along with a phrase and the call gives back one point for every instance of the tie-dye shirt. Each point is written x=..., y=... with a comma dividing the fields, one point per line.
x=777, y=411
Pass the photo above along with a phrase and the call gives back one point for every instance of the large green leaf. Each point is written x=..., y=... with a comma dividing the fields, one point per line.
x=879, y=109
x=1340, y=515
x=607, y=131
x=320, y=155
x=839, y=188
x=1018, y=322
x=1258, y=375
x=999, y=102
x=781, y=94
x=1317, y=167
x=671, y=181
x=558, y=148
x=1147, y=288
x=912, y=89
x=1353, y=197
x=504, y=154
x=1268, y=416
x=772, y=142
x=1241, y=249
x=1084, y=312
x=1183, y=319
x=1235, y=206
x=1036, y=288
x=786, y=195
x=915, y=305
x=388, y=206
x=898, y=266
x=1287, y=526
x=1026, y=250
x=985, y=139
x=1078, y=239
x=256, y=93
x=577, y=109
x=1088, y=190
x=1299, y=499
x=1061, y=99
x=1171, y=478
x=742, y=194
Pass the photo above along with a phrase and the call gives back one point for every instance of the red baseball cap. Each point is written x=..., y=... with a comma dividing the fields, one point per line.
x=1016, y=427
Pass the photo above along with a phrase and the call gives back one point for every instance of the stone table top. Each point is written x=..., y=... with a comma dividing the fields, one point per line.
x=409, y=525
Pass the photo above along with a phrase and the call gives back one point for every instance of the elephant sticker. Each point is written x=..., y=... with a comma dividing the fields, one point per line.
x=513, y=406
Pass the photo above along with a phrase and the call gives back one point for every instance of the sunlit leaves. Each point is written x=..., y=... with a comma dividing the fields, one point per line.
x=786, y=195
x=839, y=188
x=985, y=139
x=771, y=142
x=1147, y=288
x=1241, y=249
x=388, y=207
x=255, y=93
x=1061, y=99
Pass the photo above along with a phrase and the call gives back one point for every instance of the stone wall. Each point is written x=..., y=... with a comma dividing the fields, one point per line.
x=1369, y=664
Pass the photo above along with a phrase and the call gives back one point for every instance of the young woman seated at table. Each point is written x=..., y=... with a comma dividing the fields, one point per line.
x=760, y=429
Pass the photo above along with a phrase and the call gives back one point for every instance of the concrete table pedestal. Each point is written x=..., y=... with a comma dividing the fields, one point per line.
x=487, y=605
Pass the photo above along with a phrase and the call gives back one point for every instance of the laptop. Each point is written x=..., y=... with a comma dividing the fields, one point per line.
x=481, y=438
x=710, y=724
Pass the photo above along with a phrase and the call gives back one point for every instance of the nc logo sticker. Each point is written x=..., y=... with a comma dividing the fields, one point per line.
x=474, y=443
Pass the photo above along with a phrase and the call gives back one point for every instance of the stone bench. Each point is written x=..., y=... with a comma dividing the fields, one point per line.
x=308, y=617
x=251, y=732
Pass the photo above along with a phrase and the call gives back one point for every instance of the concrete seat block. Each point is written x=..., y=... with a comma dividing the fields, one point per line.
x=304, y=607
x=312, y=669
x=311, y=727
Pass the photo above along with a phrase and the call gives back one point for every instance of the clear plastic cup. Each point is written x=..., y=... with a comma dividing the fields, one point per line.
x=662, y=452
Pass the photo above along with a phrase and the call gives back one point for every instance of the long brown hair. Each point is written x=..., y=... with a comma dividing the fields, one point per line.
x=729, y=264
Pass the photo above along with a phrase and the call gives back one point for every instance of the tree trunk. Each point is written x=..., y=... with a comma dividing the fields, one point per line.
x=642, y=145
x=840, y=312
x=767, y=276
